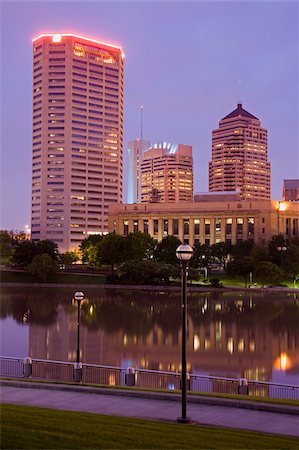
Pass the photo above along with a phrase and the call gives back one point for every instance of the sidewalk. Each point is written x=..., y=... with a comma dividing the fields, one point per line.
x=276, y=420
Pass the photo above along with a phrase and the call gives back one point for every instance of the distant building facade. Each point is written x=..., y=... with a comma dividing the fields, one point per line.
x=167, y=173
x=290, y=190
x=77, y=165
x=240, y=156
x=209, y=222
x=136, y=149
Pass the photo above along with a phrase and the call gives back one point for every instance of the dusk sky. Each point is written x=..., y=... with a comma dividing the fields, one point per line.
x=187, y=63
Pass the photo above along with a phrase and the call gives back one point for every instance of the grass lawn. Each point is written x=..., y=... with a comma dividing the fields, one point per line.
x=40, y=428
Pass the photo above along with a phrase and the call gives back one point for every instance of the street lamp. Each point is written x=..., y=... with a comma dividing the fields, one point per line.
x=78, y=297
x=281, y=250
x=184, y=253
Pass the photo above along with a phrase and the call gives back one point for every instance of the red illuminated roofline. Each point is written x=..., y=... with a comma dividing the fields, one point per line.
x=79, y=37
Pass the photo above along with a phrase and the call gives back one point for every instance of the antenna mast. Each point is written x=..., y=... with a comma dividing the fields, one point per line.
x=141, y=123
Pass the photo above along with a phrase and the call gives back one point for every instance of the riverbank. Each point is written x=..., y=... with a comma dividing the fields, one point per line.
x=160, y=288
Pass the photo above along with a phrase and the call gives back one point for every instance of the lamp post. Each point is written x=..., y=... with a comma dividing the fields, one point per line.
x=78, y=297
x=184, y=253
x=281, y=250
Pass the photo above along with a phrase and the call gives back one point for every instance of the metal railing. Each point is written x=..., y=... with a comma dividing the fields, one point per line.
x=40, y=369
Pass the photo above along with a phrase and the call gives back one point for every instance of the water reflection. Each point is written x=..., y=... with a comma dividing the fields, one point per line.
x=229, y=334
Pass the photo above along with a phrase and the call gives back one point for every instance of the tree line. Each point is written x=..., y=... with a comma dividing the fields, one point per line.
x=140, y=259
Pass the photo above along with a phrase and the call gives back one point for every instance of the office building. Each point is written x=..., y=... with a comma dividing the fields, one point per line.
x=209, y=222
x=167, y=173
x=136, y=149
x=239, y=156
x=290, y=190
x=77, y=165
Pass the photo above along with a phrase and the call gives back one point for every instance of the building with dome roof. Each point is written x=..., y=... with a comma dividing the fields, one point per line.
x=167, y=173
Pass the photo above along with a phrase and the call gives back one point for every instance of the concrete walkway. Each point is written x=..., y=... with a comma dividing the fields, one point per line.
x=277, y=420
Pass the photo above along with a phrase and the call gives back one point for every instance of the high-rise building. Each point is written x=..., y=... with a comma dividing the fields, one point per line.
x=290, y=192
x=167, y=173
x=77, y=165
x=239, y=156
x=136, y=149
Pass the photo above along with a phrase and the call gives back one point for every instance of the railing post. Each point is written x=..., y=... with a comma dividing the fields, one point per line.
x=130, y=378
x=243, y=386
x=77, y=372
x=27, y=368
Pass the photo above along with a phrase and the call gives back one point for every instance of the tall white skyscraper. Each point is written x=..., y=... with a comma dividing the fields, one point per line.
x=77, y=157
x=136, y=149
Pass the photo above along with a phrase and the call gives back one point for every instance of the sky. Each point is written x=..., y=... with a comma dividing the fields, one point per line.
x=187, y=64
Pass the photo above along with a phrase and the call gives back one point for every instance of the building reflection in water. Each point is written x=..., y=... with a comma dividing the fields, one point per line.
x=228, y=335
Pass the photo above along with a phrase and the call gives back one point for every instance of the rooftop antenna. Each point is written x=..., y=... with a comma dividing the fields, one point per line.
x=141, y=122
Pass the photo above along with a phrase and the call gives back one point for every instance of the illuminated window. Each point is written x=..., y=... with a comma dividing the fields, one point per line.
x=240, y=222
x=196, y=226
x=126, y=227
x=207, y=226
x=230, y=345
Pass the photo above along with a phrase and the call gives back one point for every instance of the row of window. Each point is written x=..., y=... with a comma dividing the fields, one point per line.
x=196, y=226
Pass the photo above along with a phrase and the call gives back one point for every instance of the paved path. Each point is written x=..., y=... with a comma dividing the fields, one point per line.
x=120, y=404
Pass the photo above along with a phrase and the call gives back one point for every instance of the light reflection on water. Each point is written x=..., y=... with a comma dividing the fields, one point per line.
x=234, y=334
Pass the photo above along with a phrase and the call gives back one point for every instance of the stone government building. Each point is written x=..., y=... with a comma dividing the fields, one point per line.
x=220, y=217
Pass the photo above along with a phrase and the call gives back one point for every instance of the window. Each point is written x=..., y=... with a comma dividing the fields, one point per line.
x=250, y=226
x=175, y=226
x=156, y=226
x=218, y=227
x=207, y=226
x=228, y=226
x=186, y=226
x=145, y=226
x=126, y=227
x=240, y=222
x=165, y=227
x=196, y=226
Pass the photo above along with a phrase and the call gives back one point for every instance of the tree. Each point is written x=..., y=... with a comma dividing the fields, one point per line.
x=88, y=249
x=68, y=258
x=112, y=250
x=139, y=246
x=24, y=253
x=202, y=257
x=241, y=249
x=42, y=266
x=268, y=273
x=147, y=272
x=290, y=261
x=165, y=250
x=48, y=247
x=241, y=266
x=220, y=252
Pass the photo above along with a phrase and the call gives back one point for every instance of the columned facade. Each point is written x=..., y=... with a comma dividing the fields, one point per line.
x=209, y=222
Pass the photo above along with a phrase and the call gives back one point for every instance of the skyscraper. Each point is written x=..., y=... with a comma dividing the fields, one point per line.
x=167, y=173
x=239, y=156
x=77, y=165
x=136, y=149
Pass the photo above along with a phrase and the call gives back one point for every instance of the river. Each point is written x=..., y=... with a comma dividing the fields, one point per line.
x=236, y=334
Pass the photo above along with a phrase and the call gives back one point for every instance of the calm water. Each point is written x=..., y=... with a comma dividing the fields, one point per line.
x=231, y=334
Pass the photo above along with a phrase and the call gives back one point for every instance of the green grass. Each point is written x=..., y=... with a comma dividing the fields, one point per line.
x=40, y=428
